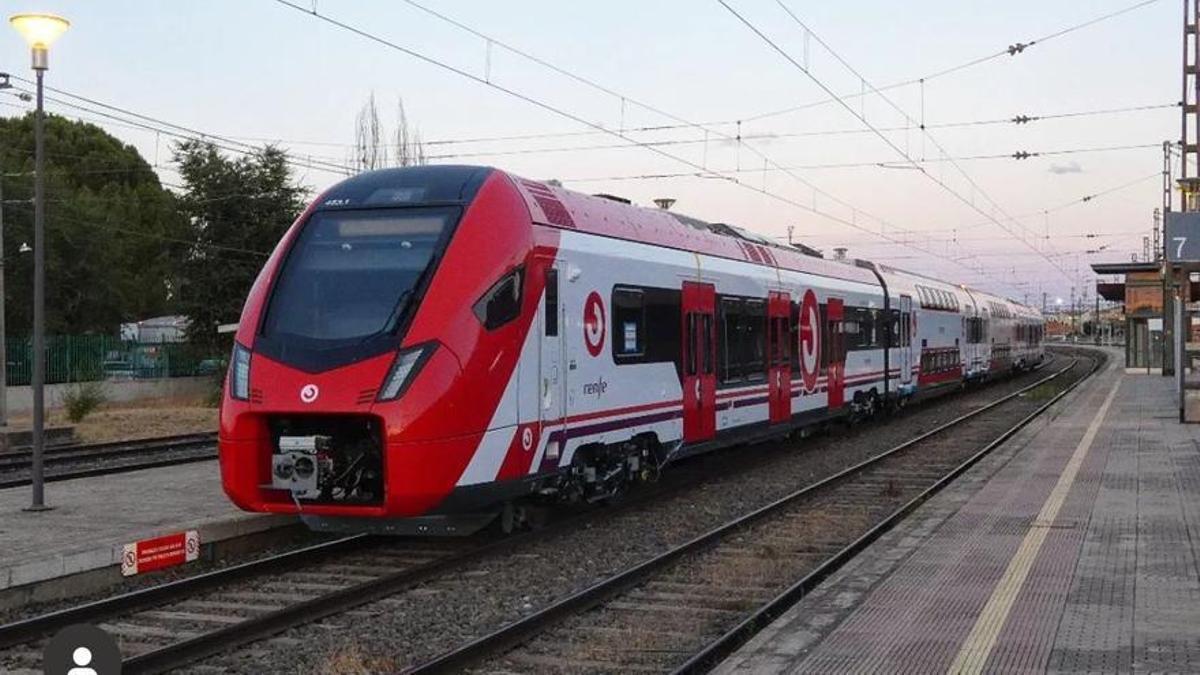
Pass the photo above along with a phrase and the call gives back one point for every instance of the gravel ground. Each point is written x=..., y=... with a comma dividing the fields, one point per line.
x=414, y=625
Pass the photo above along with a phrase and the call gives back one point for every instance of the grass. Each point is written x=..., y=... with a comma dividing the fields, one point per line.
x=127, y=421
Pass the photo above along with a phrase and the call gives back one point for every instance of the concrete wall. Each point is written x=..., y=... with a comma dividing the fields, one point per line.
x=20, y=399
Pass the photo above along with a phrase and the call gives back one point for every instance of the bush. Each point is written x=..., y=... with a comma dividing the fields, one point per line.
x=81, y=399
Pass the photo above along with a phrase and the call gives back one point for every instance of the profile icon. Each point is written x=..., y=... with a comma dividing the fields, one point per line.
x=82, y=649
x=82, y=656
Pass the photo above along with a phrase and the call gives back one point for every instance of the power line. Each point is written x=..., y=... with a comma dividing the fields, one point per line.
x=1013, y=49
x=703, y=171
x=1019, y=155
x=151, y=235
x=969, y=202
x=173, y=130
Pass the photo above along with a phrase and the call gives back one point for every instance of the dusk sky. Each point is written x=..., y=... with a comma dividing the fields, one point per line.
x=257, y=70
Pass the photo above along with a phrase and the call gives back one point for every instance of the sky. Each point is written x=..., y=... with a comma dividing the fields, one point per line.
x=259, y=71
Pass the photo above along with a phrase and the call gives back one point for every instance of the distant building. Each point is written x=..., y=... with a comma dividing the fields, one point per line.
x=1139, y=287
x=156, y=330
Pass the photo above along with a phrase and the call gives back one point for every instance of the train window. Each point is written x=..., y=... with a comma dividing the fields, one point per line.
x=689, y=346
x=502, y=302
x=350, y=281
x=628, y=323
x=731, y=337
x=754, y=344
x=551, y=303
x=794, y=341
x=826, y=329
x=706, y=340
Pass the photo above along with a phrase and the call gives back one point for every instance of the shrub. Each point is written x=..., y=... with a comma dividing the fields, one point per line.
x=81, y=399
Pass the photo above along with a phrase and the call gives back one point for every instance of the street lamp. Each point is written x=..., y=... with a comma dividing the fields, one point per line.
x=40, y=31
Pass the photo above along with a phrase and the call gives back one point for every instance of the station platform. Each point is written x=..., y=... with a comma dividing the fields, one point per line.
x=93, y=518
x=1075, y=547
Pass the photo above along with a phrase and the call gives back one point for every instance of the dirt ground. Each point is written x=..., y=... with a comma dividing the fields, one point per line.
x=125, y=421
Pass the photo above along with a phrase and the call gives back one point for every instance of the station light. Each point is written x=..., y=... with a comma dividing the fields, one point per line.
x=40, y=31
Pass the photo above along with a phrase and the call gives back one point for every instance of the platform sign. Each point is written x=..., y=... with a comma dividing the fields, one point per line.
x=1183, y=237
x=169, y=550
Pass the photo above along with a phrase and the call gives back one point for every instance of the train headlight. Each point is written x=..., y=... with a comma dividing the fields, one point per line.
x=403, y=370
x=239, y=373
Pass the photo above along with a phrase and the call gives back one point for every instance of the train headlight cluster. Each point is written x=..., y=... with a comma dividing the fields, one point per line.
x=403, y=370
x=239, y=374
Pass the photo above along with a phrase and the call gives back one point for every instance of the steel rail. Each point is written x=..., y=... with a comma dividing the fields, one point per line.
x=13, y=462
x=25, y=630
x=187, y=651
x=521, y=630
x=734, y=638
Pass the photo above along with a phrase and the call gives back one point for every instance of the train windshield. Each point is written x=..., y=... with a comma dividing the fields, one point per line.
x=353, y=276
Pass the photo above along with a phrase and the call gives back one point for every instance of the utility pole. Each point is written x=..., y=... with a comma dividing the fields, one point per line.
x=3, y=334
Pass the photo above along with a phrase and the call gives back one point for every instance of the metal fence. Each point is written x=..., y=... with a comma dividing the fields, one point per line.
x=83, y=358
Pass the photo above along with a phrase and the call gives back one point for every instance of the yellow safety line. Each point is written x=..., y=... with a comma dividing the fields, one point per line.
x=979, y=644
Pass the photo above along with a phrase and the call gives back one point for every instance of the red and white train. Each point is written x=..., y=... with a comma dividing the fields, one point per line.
x=428, y=345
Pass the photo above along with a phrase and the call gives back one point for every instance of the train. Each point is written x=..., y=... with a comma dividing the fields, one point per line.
x=428, y=348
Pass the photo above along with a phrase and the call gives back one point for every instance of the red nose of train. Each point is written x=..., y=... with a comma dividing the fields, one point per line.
x=349, y=392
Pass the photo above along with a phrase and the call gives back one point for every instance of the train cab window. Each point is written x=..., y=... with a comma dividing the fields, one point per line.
x=502, y=302
x=629, y=321
x=551, y=303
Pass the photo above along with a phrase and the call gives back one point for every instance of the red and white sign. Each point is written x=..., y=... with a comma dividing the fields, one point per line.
x=593, y=324
x=810, y=341
x=169, y=550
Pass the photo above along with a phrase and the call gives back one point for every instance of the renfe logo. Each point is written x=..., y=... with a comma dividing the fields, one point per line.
x=596, y=388
x=309, y=393
x=810, y=341
x=593, y=324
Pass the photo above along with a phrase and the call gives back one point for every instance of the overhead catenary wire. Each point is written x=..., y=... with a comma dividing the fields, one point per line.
x=825, y=87
x=1013, y=49
x=490, y=83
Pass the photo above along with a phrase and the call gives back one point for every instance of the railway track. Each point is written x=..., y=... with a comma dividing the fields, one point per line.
x=686, y=609
x=81, y=460
x=178, y=623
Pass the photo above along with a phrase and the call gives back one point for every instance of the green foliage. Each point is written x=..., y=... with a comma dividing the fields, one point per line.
x=81, y=399
x=236, y=209
x=111, y=228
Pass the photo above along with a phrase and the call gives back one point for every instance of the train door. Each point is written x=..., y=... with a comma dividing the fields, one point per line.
x=699, y=362
x=779, y=374
x=837, y=353
x=552, y=406
x=905, y=340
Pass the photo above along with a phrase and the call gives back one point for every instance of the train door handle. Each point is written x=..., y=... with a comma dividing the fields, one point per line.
x=697, y=383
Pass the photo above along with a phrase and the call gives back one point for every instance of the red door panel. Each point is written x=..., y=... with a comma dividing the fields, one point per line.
x=779, y=374
x=699, y=362
x=837, y=354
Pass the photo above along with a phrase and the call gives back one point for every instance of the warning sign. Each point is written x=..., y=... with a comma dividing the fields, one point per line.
x=154, y=554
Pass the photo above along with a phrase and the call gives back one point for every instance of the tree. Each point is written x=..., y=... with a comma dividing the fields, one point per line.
x=110, y=229
x=370, y=146
x=237, y=210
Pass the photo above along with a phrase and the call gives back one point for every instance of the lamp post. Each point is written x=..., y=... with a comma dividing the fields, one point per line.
x=40, y=31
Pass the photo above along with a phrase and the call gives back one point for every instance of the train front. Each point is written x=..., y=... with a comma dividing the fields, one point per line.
x=374, y=349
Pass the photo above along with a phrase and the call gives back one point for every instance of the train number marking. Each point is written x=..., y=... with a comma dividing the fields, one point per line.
x=593, y=324
x=309, y=393
x=810, y=341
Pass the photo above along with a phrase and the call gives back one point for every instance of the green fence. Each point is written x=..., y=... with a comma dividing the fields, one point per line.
x=82, y=358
